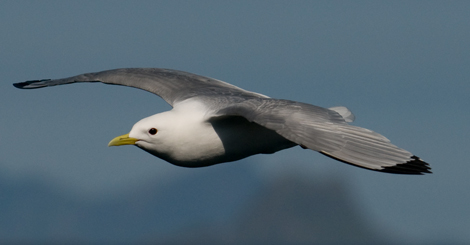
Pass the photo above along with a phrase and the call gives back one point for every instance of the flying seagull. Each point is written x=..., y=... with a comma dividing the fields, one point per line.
x=214, y=122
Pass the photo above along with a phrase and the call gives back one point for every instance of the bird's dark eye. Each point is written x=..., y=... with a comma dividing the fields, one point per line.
x=152, y=131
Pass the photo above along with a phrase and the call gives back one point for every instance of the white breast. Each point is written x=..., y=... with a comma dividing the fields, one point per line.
x=188, y=137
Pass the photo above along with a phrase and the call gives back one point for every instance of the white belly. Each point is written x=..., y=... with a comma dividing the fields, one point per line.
x=228, y=139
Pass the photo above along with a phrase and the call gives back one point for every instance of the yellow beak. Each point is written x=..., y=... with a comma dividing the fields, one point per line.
x=122, y=140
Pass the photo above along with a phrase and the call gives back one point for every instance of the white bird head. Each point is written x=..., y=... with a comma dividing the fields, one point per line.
x=152, y=134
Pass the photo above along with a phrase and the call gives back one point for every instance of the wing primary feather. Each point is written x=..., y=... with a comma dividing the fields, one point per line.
x=31, y=84
x=415, y=166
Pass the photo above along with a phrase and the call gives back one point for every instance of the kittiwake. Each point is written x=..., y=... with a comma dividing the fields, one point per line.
x=214, y=122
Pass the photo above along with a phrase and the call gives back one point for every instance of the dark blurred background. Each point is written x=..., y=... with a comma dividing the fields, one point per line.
x=402, y=67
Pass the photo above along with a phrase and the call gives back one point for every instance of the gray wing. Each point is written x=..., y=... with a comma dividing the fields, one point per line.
x=327, y=132
x=170, y=85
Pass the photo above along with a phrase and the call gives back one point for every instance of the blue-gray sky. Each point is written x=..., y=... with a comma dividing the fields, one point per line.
x=402, y=67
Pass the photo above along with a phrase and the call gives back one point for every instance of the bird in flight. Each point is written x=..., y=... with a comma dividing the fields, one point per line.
x=214, y=122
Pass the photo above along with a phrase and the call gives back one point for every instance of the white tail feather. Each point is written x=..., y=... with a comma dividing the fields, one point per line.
x=344, y=112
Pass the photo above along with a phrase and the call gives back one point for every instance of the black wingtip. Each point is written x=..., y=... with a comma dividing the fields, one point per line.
x=31, y=84
x=413, y=166
x=21, y=85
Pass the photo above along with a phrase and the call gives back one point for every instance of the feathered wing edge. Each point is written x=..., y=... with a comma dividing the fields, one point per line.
x=414, y=166
x=327, y=132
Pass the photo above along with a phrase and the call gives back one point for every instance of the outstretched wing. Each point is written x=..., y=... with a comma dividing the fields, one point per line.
x=327, y=132
x=171, y=85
